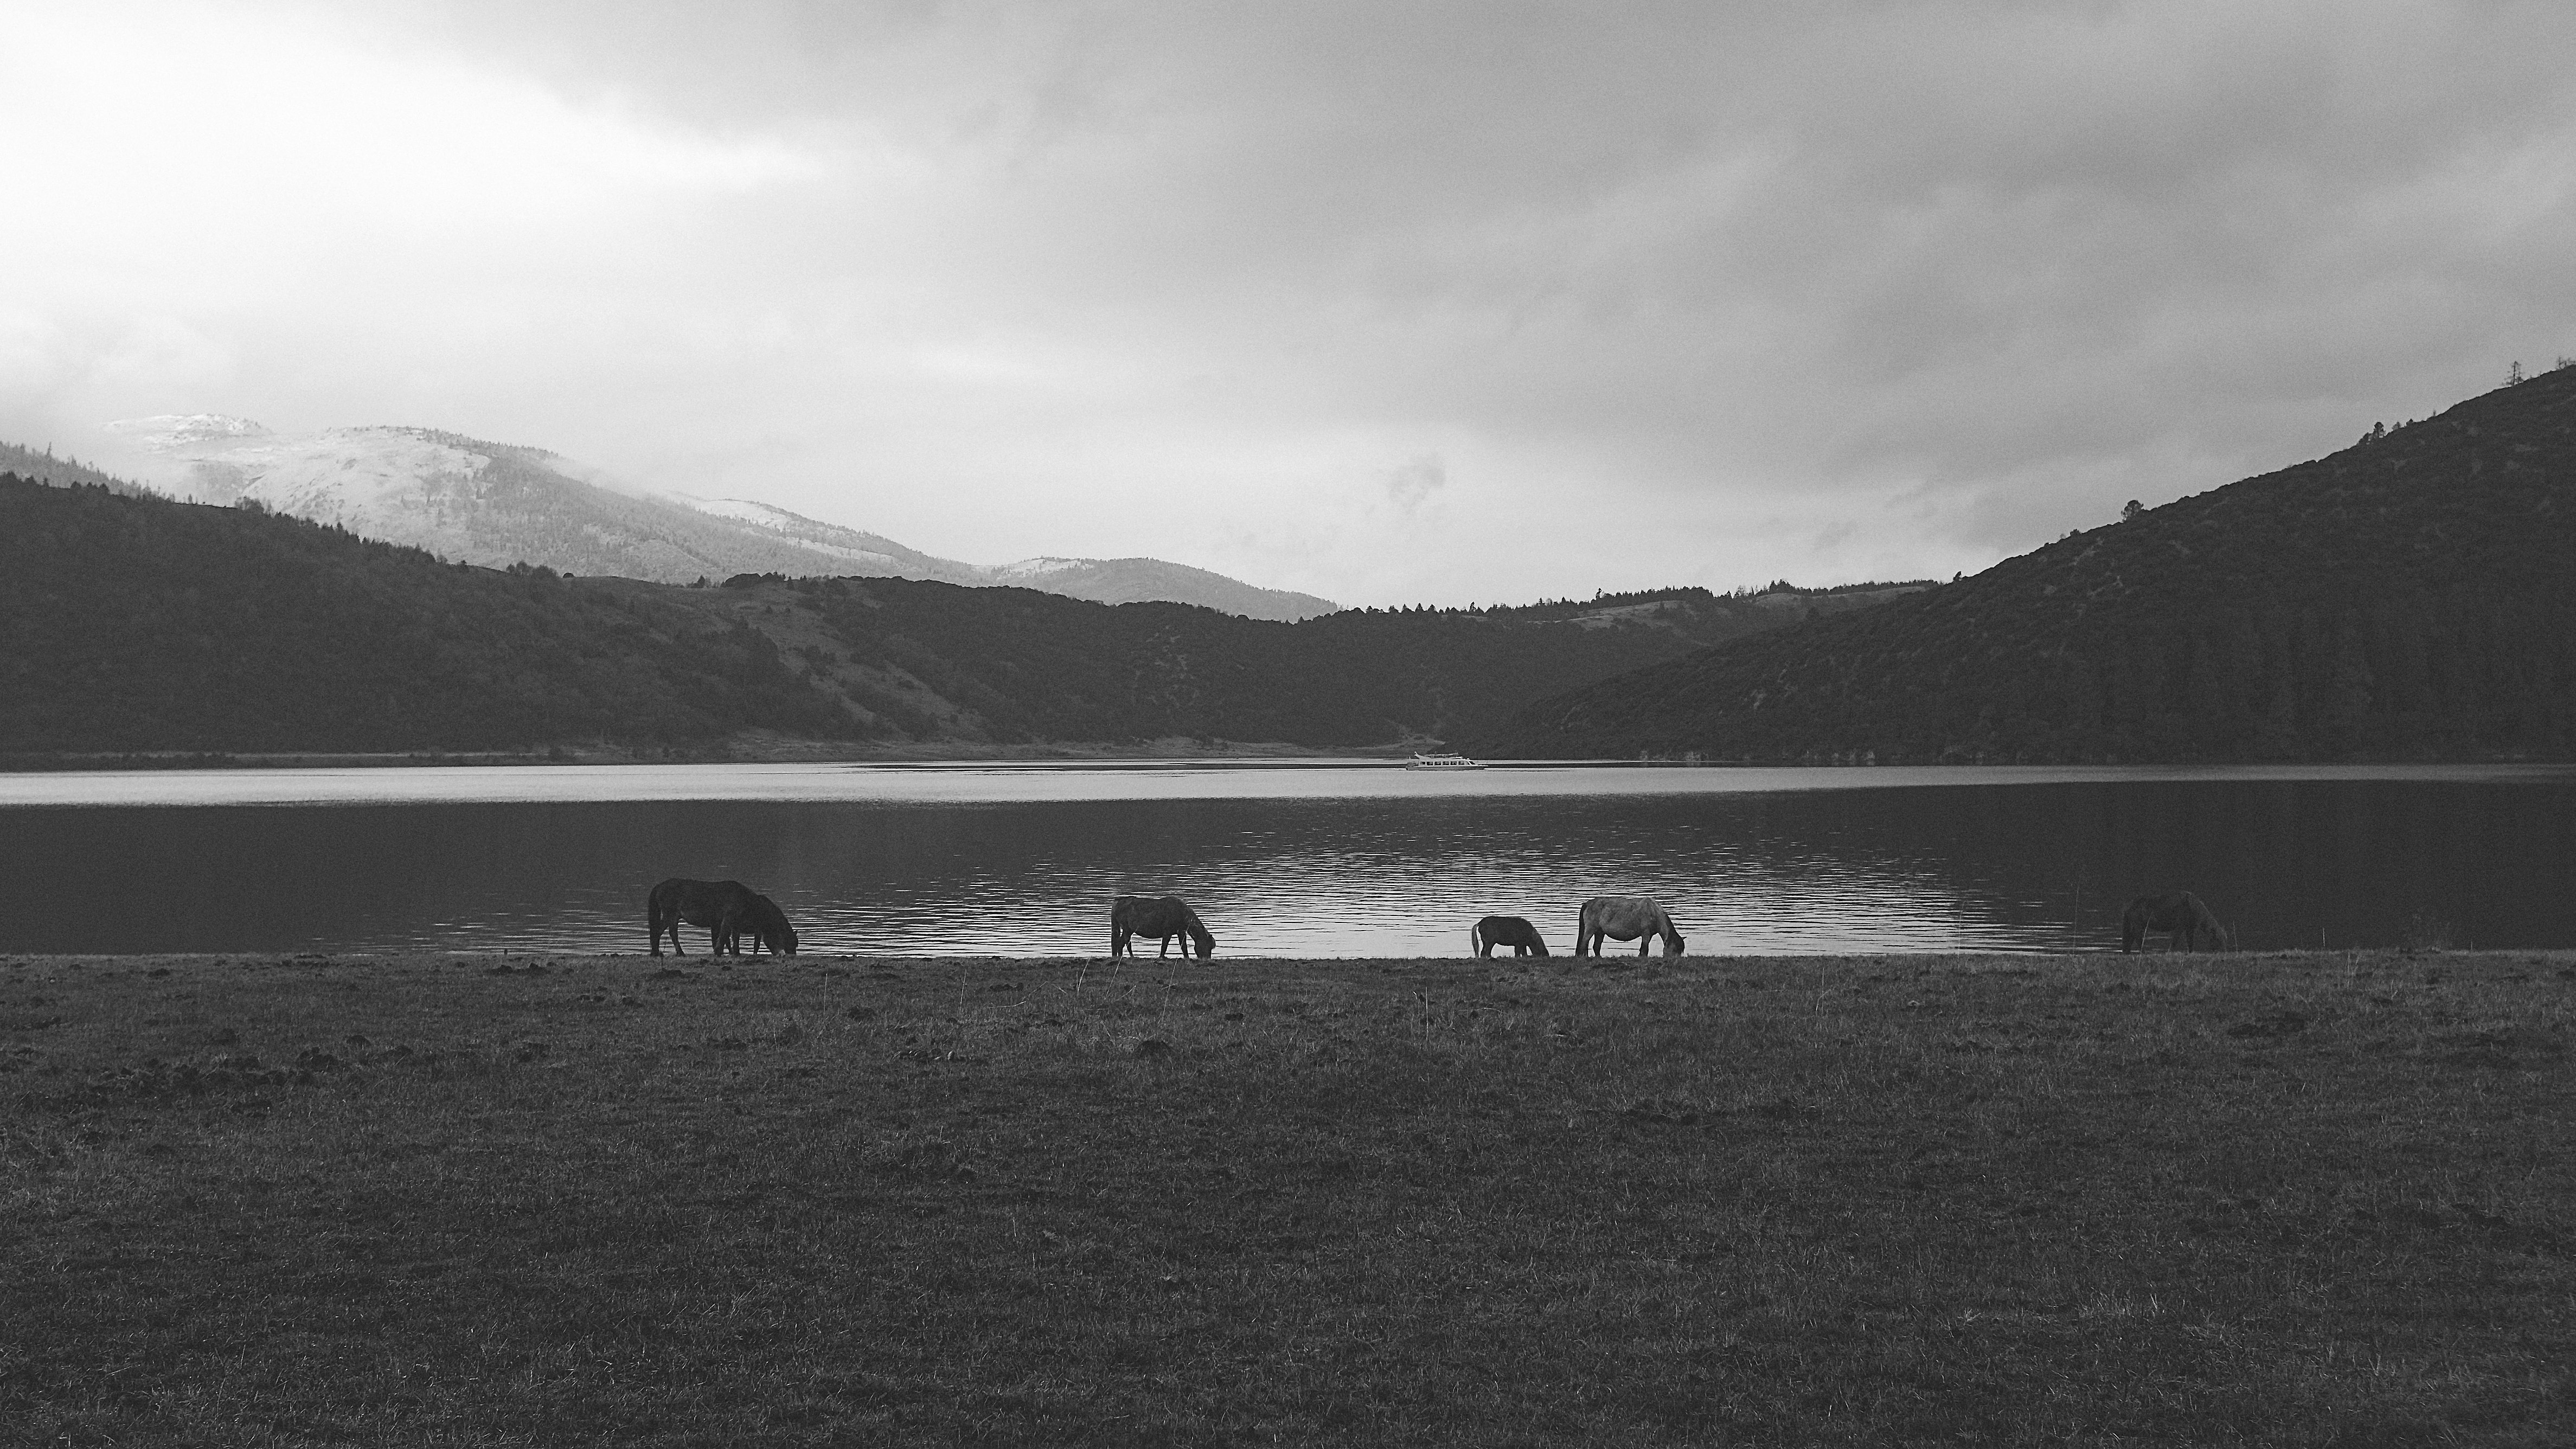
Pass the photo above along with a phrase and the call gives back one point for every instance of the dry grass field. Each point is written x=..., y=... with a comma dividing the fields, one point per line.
x=2322, y=1199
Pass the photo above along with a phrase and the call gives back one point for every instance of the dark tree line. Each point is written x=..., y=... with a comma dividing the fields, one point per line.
x=1026, y=666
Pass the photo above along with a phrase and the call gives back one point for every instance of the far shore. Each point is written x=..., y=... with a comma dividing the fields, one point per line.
x=1173, y=751
x=756, y=751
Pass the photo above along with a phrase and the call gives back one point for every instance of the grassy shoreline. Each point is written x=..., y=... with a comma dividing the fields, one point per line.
x=2311, y=1198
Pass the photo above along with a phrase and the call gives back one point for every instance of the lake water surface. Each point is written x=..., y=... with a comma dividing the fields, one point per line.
x=1295, y=858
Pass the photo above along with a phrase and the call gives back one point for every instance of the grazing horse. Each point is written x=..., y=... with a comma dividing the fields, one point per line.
x=767, y=925
x=1510, y=931
x=1162, y=917
x=1624, y=918
x=2181, y=915
x=722, y=906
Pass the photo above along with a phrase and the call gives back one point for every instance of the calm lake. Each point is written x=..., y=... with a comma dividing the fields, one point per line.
x=1302, y=859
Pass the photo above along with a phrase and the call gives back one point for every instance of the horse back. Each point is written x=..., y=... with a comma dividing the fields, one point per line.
x=1144, y=915
x=701, y=902
x=1626, y=917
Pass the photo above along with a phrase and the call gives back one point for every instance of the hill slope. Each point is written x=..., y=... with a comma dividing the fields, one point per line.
x=2413, y=596
x=143, y=624
x=929, y=661
x=497, y=504
x=44, y=467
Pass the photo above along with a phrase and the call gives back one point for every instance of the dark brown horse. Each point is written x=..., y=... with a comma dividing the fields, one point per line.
x=1510, y=931
x=1623, y=918
x=768, y=927
x=2180, y=914
x=724, y=907
x=1157, y=916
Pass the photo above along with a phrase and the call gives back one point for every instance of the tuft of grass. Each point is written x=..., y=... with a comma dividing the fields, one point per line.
x=2300, y=1199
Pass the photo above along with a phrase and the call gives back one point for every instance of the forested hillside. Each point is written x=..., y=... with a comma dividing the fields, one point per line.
x=2411, y=597
x=930, y=661
x=1702, y=617
x=132, y=623
x=141, y=624
x=918, y=660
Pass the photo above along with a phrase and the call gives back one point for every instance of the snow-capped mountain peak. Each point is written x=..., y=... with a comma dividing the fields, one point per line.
x=498, y=504
x=170, y=432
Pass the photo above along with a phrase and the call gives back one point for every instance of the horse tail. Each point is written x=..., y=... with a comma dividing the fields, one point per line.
x=662, y=908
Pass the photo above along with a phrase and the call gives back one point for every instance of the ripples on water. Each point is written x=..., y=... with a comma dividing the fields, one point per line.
x=1283, y=862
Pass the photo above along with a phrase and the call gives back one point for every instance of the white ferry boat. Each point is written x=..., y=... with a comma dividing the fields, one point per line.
x=1443, y=762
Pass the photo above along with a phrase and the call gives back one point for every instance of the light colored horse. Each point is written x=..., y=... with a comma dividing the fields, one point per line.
x=2181, y=915
x=1157, y=916
x=1624, y=918
x=1510, y=931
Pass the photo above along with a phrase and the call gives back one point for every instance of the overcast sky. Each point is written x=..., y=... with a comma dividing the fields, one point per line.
x=1388, y=302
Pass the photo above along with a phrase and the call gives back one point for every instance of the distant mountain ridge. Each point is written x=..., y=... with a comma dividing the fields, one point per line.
x=2410, y=597
x=497, y=504
x=1102, y=581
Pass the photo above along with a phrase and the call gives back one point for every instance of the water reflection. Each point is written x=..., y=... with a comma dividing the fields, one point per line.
x=2035, y=865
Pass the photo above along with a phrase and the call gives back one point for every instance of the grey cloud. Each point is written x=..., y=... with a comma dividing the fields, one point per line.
x=2011, y=264
x=1411, y=483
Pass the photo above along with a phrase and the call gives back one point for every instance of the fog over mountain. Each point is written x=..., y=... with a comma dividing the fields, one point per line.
x=498, y=504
